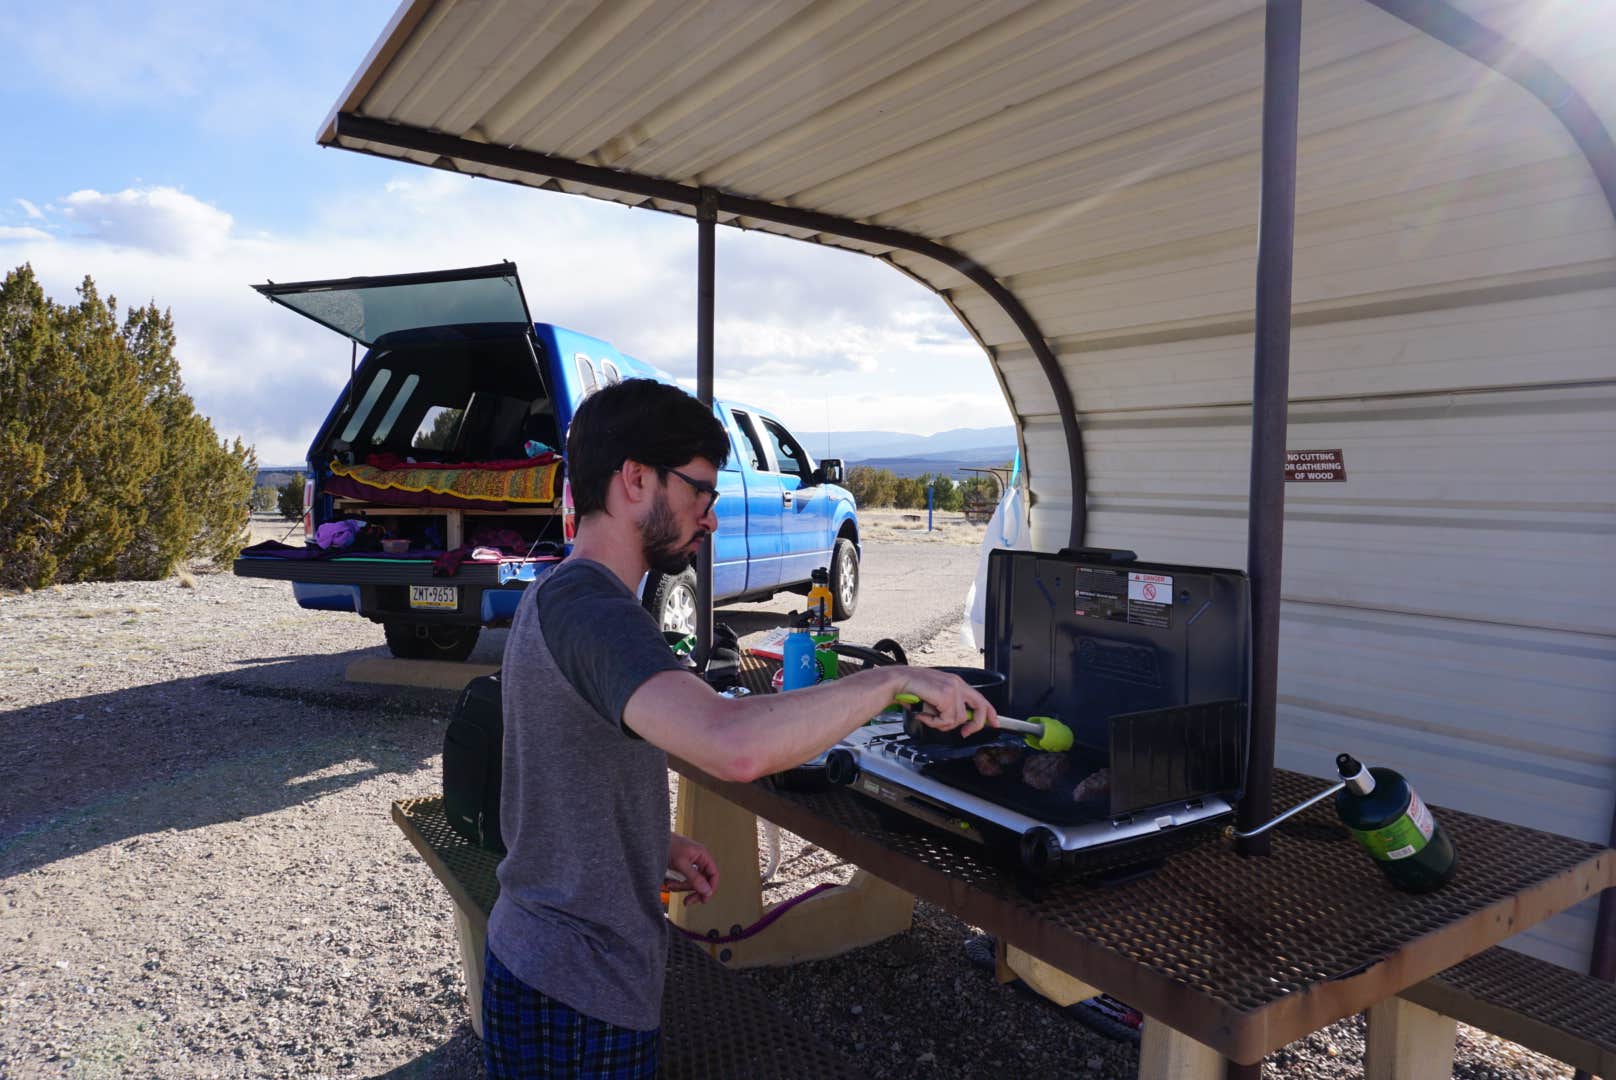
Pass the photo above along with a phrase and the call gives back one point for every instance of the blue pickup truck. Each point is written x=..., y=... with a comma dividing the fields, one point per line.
x=436, y=492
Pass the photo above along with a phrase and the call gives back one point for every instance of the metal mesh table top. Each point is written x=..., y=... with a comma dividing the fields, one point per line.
x=1243, y=954
x=713, y=1023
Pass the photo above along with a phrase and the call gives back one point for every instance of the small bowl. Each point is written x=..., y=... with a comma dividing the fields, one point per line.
x=395, y=547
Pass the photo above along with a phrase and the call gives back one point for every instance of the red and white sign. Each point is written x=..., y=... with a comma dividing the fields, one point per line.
x=1150, y=588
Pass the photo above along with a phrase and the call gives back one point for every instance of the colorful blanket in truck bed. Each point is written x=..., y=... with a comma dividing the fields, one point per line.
x=487, y=485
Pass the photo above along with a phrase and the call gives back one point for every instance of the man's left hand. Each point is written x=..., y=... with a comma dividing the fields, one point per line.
x=696, y=865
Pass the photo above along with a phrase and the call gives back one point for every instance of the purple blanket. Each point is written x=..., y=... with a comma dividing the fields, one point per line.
x=274, y=549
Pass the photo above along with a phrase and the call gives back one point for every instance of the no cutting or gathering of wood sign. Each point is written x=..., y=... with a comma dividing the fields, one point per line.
x=1314, y=466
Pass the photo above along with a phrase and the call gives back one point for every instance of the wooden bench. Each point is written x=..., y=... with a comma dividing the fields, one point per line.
x=1553, y=1010
x=714, y=1024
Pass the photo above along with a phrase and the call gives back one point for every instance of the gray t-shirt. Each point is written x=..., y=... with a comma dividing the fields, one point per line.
x=584, y=801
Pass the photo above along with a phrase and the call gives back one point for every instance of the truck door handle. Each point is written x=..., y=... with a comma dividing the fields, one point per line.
x=785, y=498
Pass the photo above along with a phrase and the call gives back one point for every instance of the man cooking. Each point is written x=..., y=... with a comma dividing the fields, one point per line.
x=594, y=701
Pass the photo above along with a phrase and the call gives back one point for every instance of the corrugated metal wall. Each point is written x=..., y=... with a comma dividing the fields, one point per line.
x=1451, y=607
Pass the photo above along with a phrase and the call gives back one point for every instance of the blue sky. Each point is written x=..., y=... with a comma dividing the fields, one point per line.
x=167, y=150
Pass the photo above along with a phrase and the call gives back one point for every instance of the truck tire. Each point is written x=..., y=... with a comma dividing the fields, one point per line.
x=844, y=578
x=430, y=641
x=671, y=600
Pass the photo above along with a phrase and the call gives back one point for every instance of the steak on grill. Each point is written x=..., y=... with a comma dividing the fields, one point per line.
x=996, y=760
x=1040, y=771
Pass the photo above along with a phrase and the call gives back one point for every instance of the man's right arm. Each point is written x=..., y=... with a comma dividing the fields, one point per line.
x=748, y=737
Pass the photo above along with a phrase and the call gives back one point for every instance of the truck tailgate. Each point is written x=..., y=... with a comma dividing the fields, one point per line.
x=355, y=571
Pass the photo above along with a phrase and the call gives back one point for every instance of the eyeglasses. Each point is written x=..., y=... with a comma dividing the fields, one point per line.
x=701, y=489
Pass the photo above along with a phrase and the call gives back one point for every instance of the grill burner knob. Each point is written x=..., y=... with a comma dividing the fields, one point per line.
x=841, y=767
x=1040, y=851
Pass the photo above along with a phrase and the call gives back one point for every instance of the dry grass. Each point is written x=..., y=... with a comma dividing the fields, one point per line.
x=947, y=527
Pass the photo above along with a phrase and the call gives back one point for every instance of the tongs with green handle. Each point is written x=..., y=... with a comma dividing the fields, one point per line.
x=1042, y=732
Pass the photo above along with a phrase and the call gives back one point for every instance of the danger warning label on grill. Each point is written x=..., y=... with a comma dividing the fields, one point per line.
x=1118, y=596
x=1315, y=466
x=1150, y=600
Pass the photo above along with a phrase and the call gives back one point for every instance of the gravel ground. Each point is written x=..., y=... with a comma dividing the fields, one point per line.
x=199, y=878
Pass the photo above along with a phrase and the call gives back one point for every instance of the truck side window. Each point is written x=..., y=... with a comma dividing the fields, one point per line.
x=390, y=417
x=366, y=404
x=586, y=374
x=791, y=456
x=437, y=428
x=754, y=445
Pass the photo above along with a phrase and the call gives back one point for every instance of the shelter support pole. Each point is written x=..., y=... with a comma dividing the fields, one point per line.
x=706, y=230
x=1265, y=530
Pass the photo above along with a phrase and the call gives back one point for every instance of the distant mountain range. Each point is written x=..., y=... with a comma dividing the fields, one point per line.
x=950, y=452
x=276, y=475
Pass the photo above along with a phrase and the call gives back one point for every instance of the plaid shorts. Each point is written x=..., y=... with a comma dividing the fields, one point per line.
x=527, y=1034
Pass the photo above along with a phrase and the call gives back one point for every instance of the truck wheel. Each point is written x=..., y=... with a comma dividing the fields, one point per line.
x=844, y=578
x=671, y=600
x=430, y=641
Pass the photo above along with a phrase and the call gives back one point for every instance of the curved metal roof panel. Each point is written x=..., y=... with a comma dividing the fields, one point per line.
x=1097, y=159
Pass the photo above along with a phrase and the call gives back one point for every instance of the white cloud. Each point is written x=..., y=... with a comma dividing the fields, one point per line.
x=30, y=209
x=22, y=232
x=823, y=338
x=159, y=219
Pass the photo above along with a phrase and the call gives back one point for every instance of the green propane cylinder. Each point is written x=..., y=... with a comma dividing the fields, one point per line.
x=1391, y=822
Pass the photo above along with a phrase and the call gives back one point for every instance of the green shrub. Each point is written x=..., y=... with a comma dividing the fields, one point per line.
x=870, y=486
x=106, y=469
x=290, y=498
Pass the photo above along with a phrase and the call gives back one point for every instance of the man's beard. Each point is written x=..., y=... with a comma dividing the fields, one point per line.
x=660, y=540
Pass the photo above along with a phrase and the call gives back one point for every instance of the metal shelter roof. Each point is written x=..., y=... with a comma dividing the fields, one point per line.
x=1031, y=162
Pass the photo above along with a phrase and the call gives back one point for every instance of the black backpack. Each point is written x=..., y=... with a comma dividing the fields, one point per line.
x=473, y=748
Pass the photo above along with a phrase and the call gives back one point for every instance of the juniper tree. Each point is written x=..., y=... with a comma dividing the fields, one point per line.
x=106, y=469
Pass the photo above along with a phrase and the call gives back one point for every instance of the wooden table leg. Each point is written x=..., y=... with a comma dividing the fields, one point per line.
x=1166, y=1054
x=862, y=912
x=730, y=833
x=472, y=933
x=1409, y=1042
x=1051, y=982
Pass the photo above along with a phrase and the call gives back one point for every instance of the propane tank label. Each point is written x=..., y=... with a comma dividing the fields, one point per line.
x=1402, y=838
x=1420, y=815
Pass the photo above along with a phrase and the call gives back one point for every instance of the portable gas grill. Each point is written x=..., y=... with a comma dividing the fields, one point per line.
x=1148, y=664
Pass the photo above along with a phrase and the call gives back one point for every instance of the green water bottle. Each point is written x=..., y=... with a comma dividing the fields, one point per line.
x=1392, y=823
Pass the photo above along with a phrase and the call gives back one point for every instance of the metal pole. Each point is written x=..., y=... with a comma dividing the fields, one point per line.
x=1265, y=531
x=706, y=228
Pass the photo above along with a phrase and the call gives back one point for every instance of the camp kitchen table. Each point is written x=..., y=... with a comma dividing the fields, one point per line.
x=1228, y=956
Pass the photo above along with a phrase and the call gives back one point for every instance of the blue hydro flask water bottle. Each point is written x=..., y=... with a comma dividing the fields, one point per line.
x=800, y=667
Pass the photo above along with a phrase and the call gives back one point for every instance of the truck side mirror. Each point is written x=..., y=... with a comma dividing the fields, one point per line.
x=830, y=471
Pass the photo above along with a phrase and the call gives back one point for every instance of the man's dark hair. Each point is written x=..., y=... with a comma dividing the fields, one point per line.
x=640, y=420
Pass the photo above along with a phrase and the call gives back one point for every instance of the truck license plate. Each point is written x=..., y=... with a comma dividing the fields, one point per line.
x=442, y=597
